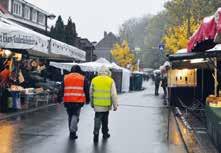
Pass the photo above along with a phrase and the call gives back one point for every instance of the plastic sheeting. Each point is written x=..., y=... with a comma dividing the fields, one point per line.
x=207, y=35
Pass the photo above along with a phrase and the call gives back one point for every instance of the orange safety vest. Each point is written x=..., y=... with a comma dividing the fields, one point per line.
x=74, y=88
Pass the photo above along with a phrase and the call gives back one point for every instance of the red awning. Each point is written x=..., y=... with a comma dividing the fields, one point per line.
x=207, y=35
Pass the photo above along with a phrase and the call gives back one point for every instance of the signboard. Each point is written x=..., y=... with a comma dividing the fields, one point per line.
x=63, y=49
x=17, y=37
x=14, y=36
x=161, y=47
x=182, y=78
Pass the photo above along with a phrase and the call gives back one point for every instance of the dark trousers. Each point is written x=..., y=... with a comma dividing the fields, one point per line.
x=4, y=94
x=165, y=92
x=101, y=118
x=157, y=88
x=73, y=117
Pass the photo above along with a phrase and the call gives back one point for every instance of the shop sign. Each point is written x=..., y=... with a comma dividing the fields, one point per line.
x=60, y=48
x=13, y=37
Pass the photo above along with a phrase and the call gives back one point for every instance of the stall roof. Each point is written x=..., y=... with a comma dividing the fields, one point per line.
x=186, y=60
x=194, y=55
x=18, y=38
x=89, y=66
x=207, y=35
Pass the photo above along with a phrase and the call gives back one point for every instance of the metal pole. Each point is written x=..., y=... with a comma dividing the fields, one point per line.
x=215, y=75
x=202, y=85
x=46, y=25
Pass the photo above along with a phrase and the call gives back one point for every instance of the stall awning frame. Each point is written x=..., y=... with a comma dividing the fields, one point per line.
x=195, y=55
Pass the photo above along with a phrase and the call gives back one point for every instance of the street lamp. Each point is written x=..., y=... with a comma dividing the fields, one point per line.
x=51, y=17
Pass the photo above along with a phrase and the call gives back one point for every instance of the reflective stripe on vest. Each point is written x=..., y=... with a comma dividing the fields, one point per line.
x=102, y=91
x=74, y=88
x=74, y=94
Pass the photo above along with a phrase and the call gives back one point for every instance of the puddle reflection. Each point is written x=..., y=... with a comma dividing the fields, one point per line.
x=7, y=134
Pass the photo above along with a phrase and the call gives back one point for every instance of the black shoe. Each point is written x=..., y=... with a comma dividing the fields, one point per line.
x=106, y=136
x=96, y=137
x=73, y=136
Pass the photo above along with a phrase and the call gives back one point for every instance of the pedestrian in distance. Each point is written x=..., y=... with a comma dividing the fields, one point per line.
x=103, y=96
x=75, y=93
x=164, y=86
x=157, y=80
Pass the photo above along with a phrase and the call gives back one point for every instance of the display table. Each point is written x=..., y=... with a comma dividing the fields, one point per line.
x=22, y=100
x=35, y=99
x=213, y=120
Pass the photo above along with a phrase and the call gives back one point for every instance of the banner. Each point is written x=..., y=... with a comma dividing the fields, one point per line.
x=13, y=36
x=60, y=48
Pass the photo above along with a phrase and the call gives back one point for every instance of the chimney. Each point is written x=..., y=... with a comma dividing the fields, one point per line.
x=105, y=34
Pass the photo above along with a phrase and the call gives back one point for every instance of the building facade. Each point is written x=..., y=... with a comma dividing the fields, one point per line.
x=25, y=13
x=104, y=47
x=87, y=46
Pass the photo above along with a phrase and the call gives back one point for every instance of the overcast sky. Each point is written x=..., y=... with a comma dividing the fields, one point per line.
x=93, y=17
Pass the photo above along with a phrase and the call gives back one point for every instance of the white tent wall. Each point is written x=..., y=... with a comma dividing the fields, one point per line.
x=126, y=80
x=95, y=67
x=14, y=36
x=125, y=77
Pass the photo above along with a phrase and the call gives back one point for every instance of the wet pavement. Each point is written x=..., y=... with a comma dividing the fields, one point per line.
x=139, y=126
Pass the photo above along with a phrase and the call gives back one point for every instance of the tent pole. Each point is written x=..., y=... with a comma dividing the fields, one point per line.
x=215, y=75
x=202, y=85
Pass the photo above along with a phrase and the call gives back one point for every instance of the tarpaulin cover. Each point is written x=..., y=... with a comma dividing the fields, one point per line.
x=207, y=35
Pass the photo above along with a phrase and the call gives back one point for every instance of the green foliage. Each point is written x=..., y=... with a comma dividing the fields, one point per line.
x=133, y=29
x=52, y=32
x=186, y=15
x=155, y=31
x=181, y=10
x=59, y=31
x=65, y=33
x=70, y=32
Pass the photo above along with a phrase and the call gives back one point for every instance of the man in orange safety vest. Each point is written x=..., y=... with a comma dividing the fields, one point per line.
x=75, y=92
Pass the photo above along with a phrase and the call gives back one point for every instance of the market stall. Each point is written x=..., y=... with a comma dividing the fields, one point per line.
x=197, y=74
x=25, y=78
x=119, y=74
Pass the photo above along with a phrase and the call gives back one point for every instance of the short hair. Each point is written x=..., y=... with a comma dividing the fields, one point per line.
x=76, y=68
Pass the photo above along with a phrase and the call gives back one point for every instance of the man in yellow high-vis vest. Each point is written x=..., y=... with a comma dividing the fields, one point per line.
x=103, y=96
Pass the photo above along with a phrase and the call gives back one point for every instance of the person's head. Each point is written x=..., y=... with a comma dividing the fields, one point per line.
x=76, y=69
x=104, y=71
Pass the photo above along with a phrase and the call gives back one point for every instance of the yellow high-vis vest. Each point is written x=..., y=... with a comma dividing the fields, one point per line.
x=102, y=91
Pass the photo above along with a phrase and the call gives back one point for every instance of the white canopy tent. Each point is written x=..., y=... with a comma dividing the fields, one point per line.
x=88, y=66
x=96, y=66
x=14, y=36
x=17, y=37
x=125, y=77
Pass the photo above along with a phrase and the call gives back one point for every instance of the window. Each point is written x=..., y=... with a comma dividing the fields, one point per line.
x=34, y=16
x=17, y=8
x=27, y=12
x=41, y=18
